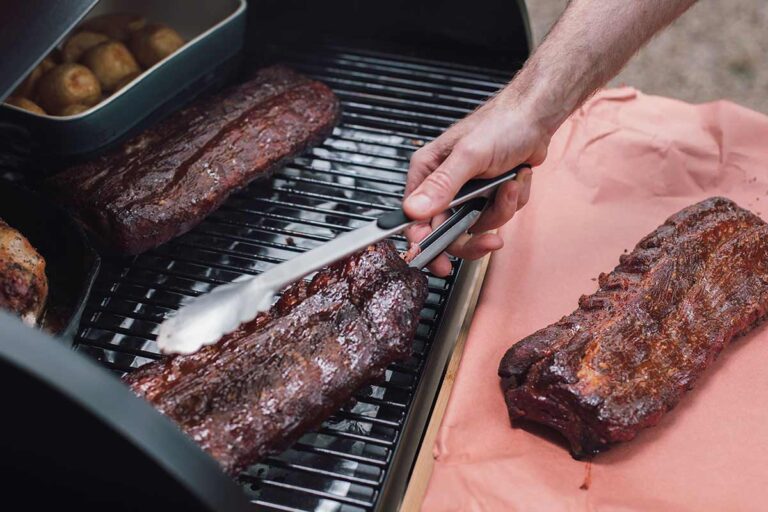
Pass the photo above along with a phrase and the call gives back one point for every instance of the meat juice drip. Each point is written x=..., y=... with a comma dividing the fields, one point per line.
x=587, y=477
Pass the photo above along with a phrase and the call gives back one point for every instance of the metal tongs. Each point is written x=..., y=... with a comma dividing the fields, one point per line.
x=446, y=233
x=208, y=317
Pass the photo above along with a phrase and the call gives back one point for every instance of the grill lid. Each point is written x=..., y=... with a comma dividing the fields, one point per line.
x=32, y=28
x=75, y=436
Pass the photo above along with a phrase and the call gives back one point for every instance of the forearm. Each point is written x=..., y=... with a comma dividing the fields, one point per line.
x=588, y=45
x=586, y=48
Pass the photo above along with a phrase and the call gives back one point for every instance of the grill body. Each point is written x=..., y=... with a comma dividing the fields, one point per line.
x=391, y=106
x=396, y=96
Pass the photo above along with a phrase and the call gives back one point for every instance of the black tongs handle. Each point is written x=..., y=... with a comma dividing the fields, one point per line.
x=472, y=189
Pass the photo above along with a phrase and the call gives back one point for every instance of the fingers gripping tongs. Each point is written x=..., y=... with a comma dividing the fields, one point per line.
x=446, y=233
x=208, y=317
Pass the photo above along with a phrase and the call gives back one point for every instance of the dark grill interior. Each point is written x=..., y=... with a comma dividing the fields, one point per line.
x=392, y=105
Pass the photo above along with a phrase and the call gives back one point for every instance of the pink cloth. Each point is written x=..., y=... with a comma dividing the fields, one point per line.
x=616, y=170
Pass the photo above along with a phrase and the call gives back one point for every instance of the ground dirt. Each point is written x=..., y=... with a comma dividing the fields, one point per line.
x=718, y=49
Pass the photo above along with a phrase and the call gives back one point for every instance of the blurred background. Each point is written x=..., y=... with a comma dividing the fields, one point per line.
x=718, y=49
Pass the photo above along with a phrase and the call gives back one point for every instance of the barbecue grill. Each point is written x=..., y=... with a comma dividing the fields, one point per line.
x=404, y=73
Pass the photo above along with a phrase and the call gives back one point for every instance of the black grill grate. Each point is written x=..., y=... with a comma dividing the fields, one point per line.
x=392, y=105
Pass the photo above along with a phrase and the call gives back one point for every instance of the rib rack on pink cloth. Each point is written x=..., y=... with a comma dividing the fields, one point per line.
x=615, y=171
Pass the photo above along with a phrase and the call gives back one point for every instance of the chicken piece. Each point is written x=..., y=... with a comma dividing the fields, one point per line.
x=23, y=285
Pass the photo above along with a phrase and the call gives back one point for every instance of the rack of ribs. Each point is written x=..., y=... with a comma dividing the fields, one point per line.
x=633, y=348
x=258, y=389
x=165, y=180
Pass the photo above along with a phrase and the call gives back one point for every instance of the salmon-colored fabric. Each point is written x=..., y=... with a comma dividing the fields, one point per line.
x=616, y=170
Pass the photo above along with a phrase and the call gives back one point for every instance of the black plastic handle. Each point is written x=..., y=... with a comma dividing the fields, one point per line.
x=472, y=189
x=393, y=219
x=481, y=187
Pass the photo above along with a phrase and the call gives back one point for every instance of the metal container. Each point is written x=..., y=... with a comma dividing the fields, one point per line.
x=214, y=31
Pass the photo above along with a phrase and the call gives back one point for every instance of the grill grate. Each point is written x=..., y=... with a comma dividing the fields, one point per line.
x=391, y=106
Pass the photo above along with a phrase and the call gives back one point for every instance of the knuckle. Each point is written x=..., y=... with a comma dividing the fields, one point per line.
x=509, y=199
x=418, y=163
x=469, y=149
x=421, y=154
x=424, y=157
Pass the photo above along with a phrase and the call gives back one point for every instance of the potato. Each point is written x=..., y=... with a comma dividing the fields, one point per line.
x=80, y=43
x=126, y=80
x=71, y=110
x=67, y=84
x=47, y=64
x=26, y=104
x=27, y=87
x=117, y=25
x=55, y=56
x=153, y=43
x=111, y=62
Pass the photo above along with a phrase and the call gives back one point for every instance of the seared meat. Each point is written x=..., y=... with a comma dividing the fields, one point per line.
x=629, y=352
x=259, y=388
x=164, y=181
x=23, y=285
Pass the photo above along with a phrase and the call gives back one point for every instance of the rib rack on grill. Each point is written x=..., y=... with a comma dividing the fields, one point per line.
x=164, y=181
x=261, y=387
x=629, y=352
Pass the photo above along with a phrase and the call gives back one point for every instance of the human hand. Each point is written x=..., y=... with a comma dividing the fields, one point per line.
x=492, y=140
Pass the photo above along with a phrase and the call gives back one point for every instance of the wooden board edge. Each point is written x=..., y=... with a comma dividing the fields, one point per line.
x=422, y=468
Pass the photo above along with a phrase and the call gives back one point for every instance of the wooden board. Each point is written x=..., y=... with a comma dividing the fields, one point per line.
x=422, y=469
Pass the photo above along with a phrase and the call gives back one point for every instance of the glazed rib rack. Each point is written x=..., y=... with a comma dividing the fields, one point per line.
x=391, y=106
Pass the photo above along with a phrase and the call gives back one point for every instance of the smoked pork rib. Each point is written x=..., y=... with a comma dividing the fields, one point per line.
x=165, y=180
x=629, y=352
x=259, y=388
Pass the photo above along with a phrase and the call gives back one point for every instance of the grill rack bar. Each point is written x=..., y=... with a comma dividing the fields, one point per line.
x=392, y=106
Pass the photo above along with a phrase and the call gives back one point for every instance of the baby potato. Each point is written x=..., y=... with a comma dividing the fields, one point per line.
x=153, y=43
x=117, y=25
x=80, y=43
x=55, y=56
x=67, y=84
x=27, y=87
x=111, y=62
x=71, y=110
x=47, y=64
x=126, y=80
x=26, y=104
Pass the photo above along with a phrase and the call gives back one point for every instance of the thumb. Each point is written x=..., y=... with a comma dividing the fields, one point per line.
x=438, y=189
